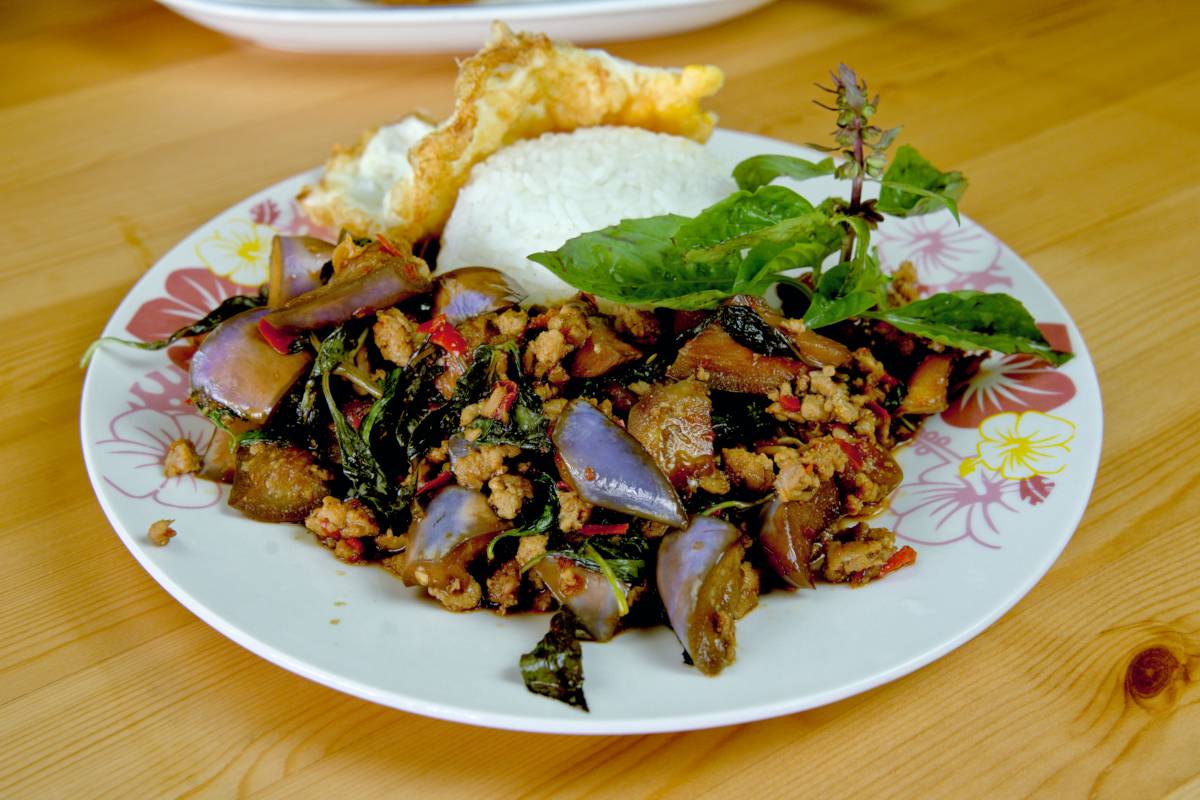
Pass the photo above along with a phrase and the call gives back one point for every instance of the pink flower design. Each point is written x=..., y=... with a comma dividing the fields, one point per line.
x=941, y=506
x=164, y=390
x=137, y=446
x=1014, y=383
x=946, y=256
x=265, y=213
x=192, y=292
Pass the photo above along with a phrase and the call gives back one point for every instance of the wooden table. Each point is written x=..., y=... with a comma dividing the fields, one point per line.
x=123, y=127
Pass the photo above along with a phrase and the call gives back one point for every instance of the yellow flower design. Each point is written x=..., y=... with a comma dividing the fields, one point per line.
x=1019, y=446
x=238, y=251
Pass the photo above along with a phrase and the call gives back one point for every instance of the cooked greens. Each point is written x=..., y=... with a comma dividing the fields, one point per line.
x=554, y=667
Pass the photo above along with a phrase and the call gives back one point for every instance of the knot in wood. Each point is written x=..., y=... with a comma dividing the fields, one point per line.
x=1151, y=672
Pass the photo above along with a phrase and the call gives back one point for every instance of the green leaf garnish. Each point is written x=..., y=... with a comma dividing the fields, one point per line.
x=554, y=667
x=758, y=171
x=736, y=246
x=973, y=321
x=912, y=186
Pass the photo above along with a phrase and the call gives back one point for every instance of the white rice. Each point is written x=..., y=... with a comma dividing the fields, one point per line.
x=535, y=195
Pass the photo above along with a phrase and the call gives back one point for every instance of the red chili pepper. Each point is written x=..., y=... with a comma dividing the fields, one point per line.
x=877, y=409
x=356, y=546
x=789, y=403
x=510, y=397
x=387, y=246
x=853, y=453
x=355, y=411
x=436, y=482
x=604, y=530
x=903, y=557
x=280, y=342
x=444, y=335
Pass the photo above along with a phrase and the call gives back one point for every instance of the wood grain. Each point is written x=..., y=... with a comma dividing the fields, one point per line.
x=124, y=127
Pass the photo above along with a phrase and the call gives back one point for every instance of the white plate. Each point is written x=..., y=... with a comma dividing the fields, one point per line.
x=985, y=534
x=347, y=26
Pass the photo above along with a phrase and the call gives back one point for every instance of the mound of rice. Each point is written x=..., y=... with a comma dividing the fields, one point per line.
x=536, y=194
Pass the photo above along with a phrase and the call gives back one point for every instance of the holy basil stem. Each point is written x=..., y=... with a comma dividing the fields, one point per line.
x=229, y=307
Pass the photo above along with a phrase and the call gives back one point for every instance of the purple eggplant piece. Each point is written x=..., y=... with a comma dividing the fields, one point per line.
x=699, y=578
x=594, y=605
x=456, y=529
x=610, y=469
x=296, y=263
x=790, y=528
x=470, y=291
x=236, y=373
x=350, y=297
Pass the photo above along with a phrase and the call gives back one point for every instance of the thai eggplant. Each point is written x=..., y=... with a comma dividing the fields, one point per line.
x=705, y=587
x=238, y=377
x=610, y=469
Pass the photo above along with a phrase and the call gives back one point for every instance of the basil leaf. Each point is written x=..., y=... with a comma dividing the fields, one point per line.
x=912, y=186
x=758, y=171
x=739, y=214
x=683, y=263
x=973, y=321
x=844, y=291
x=554, y=667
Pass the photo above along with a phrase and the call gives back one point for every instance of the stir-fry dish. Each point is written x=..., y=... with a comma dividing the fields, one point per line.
x=649, y=421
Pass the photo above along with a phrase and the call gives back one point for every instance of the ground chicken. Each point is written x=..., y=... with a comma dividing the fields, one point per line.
x=904, y=287
x=554, y=408
x=390, y=541
x=504, y=586
x=573, y=511
x=509, y=493
x=396, y=336
x=181, y=459
x=458, y=597
x=641, y=326
x=753, y=471
x=511, y=323
x=494, y=407
x=817, y=397
x=548, y=349
x=531, y=547
x=335, y=519
x=801, y=472
x=479, y=466
x=571, y=321
x=161, y=532
x=866, y=551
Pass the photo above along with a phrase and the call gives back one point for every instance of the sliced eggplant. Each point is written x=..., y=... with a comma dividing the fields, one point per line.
x=789, y=529
x=456, y=529
x=610, y=469
x=347, y=297
x=586, y=592
x=471, y=291
x=705, y=587
x=726, y=365
x=277, y=483
x=296, y=263
x=603, y=352
x=237, y=374
x=674, y=424
x=929, y=386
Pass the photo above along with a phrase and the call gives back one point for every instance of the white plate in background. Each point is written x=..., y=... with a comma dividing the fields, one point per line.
x=353, y=26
